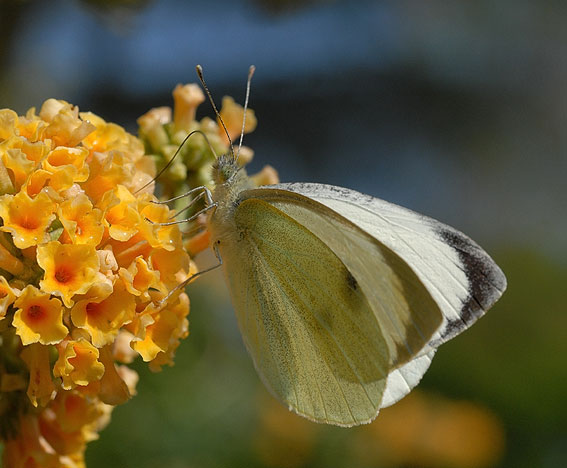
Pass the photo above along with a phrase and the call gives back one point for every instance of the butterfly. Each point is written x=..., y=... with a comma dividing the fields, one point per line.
x=342, y=299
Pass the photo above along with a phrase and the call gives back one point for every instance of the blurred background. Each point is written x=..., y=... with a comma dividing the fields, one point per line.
x=455, y=109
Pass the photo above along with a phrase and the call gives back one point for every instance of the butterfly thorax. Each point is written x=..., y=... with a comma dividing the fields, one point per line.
x=230, y=180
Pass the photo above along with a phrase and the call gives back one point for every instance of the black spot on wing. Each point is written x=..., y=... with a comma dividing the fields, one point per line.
x=351, y=281
x=486, y=282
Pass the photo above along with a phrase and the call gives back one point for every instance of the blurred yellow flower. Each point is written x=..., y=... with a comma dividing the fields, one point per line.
x=40, y=387
x=39, y=317
x=116, y=387
x=29, y=449
x=7, y=296
x=69, y=269
x=73, y=410
x=186, y=99
x=430, y=432
x=283, y=439
x=232, y=115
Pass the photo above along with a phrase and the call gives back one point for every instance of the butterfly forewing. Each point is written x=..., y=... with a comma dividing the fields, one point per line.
x=403, y=306
x=308, y=325
x=460, y=276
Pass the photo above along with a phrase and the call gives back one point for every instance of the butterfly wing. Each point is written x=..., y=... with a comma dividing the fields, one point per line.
x=310, y=330
x=456, y=273
x=463, y=279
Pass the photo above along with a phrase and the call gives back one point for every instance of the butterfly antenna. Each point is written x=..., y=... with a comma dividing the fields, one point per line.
x=251, y=71
x=217, y=113
x=170, y=162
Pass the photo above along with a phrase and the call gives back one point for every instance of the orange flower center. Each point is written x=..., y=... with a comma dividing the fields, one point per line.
x=81, y=357
x=29, y=223
x=35, y=312
x=93, y=309
x=63, y=275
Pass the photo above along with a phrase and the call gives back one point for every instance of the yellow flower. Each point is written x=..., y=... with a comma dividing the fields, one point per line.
x=151, y=125
x=39, y=318
x=74, y=410
x=27, y=219
x=34, y=150
x=61, y=168
x=78, y=364
x=70, y=160
x=163, y=335
x=126, y=252
x=76, y=201
x=69, y=269
x=40, y=388
x=232, y=115
x=173, y=266
x=8, y=119
x=122, y=351
x=18, y=164
x=64, y=443
x=139, y=278
x=107, y=170
x=111, y=137
x=52, y=183
x=180, y=309
x=165, y=237
x=113, y=389
x=7, y=296
x=82, y=222
x=124, y=162
x=186, y=99
x=64, y=128
x=102, y=317
x=121, y=213
x=28, y=449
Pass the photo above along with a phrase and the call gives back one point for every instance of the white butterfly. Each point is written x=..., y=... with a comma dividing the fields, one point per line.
x=341, y=298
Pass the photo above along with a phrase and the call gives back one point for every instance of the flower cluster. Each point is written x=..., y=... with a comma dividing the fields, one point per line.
x=88, y=279
x=185, y=149
x=164, y=132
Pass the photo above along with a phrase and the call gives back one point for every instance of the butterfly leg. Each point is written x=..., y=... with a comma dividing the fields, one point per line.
x=209, y=204
x=192, y=277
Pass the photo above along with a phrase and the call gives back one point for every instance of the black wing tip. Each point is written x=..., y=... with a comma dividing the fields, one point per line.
x=487, y=281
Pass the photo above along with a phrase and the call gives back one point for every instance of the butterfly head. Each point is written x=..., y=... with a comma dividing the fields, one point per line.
x=225, y=169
